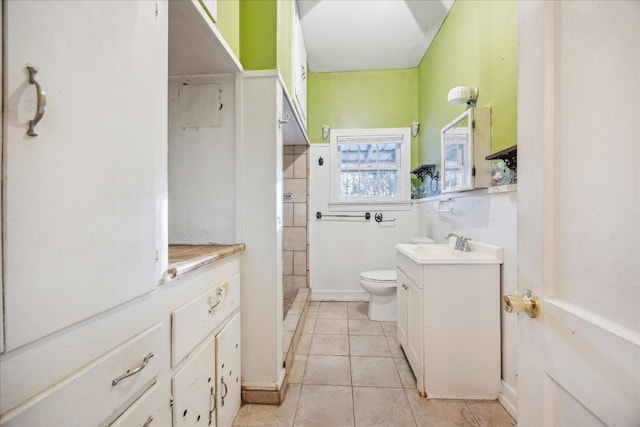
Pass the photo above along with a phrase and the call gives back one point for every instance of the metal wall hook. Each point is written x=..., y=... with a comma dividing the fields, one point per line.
x=379, y=218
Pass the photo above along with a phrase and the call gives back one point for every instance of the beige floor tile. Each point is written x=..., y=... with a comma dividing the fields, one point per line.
x=369, y=345
x=309, y=325
x=327, y=370
x=490, y=413
x=390, y=329
x=381, y=407
x=358, y=310
x=394, y=347
x=407, y=378
x=331, y=326
x=439, y=413
x=251, y=415
x=297, y=370
x=313, y=310
x=364, y=327
x=325, y=406
x=332, y=310
x=374, y=371
x=304, y=344
x=336, y=345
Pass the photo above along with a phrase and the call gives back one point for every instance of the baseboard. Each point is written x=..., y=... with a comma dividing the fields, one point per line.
x=335, y=295
x=266, y=394
x=508, y=398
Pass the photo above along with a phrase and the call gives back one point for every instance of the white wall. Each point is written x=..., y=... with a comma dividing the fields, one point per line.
x=339, y=249
x=490, y=218
x=202, y=167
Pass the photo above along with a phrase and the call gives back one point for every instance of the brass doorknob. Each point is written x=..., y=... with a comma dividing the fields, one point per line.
x=528, y=302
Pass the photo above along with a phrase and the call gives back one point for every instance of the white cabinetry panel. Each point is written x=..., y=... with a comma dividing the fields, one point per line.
x=228, y=368
x=79, y=231
x=90, y=397
x=192, y=322
x=194, y=388
x=300, y=72
x=150, y=410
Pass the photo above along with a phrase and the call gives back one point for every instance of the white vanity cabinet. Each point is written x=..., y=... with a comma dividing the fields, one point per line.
x=79, y=198
x=465, y=142
x=449, y=320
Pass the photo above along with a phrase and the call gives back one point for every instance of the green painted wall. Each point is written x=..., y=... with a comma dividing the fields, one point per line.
x=362, y=99
x=258, y=34
x=266, y=31
x=229, y=23
x=476, y=45
x=286, y=9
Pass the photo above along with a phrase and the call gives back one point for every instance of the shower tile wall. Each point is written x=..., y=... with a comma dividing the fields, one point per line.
x=294, y=240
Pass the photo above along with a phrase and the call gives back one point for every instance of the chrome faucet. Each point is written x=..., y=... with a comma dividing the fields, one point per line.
x=462, y=243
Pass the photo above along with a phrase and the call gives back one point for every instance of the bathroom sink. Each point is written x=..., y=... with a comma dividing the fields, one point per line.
x=481, y=253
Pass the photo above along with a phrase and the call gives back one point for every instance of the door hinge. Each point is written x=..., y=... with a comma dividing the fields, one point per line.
x=473, y=171
x=171, y=401
x=473, y=124
x=157, y=255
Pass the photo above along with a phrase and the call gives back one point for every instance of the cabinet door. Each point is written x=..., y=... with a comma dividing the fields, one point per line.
x=194, y=393
x=414, y=328
x=228, y=369
x=300, y=70
x=403, y=299
x=79, y=198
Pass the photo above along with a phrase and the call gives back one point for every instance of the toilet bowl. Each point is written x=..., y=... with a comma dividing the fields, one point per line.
x=382, y=287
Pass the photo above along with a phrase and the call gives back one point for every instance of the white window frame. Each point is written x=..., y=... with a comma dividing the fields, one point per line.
x=404, y=180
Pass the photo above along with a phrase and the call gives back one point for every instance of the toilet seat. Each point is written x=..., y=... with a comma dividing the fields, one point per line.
x=380, y=276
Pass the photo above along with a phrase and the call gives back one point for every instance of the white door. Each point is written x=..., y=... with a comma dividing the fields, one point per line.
x=79, y=198
x=579, y=212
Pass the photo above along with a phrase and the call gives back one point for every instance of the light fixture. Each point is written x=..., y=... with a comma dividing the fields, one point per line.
x=415, y=126
x=325, y=131
x=463, y=95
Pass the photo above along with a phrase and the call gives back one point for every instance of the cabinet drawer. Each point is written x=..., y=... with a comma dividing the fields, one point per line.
x=150, y=410
x=99, y=390
x=192, y=322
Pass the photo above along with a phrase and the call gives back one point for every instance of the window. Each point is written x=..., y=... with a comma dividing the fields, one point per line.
x=370, y=165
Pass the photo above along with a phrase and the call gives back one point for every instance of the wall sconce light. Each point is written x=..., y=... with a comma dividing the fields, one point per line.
x=463, y=95
x=415, y=127
x=325, y=131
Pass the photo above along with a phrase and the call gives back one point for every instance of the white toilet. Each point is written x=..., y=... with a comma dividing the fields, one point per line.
x=382, y=286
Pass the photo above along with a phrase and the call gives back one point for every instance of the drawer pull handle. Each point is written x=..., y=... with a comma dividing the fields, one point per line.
x=41, y=101
x=149, y=420
x=220, y=295
x=226, y=390
x=144, y=363
x=212, y=404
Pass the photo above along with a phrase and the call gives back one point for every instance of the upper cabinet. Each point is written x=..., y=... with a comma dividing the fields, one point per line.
x=80, y=197
x=465, y=142
x=300, y=72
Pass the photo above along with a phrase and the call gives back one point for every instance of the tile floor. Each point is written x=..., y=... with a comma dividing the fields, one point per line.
x=350, y=371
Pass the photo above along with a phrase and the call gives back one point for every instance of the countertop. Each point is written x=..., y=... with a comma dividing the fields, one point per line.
x=186, y=258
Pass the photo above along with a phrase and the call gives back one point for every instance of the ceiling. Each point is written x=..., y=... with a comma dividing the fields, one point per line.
x=352, y=35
